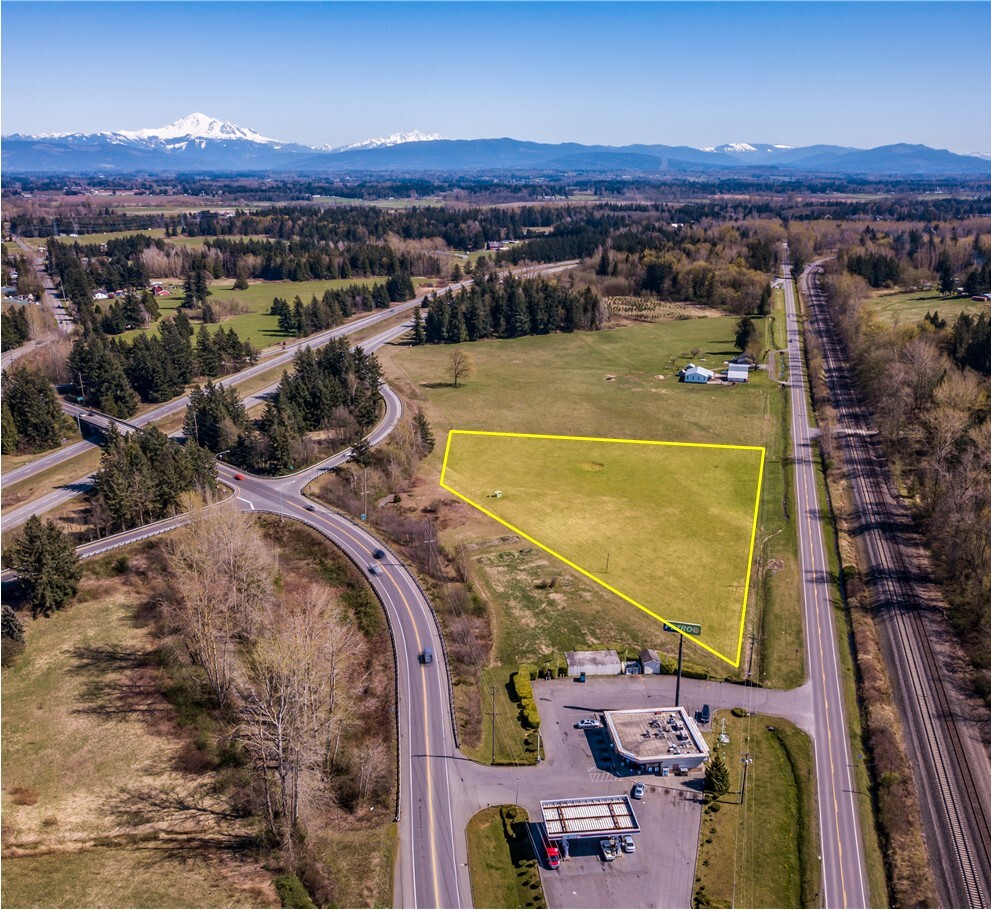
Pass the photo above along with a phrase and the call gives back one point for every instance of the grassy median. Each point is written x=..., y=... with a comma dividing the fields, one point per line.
x=501, y=860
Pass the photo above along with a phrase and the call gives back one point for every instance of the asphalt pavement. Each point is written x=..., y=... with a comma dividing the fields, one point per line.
x=844, y=876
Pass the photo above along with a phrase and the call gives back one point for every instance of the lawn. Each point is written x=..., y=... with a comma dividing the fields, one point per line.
x=763, y=853
x=257, y=326
x=501, y=863
x=666, y=527
x=90, y=770
x=912, y=306
x=593, y=384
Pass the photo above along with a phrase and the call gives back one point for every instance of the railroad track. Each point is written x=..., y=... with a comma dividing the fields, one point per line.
x=952, y=797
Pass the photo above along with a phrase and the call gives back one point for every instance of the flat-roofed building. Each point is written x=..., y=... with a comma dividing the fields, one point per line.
x=656, y=740
x=594, y=816
x=593, y=663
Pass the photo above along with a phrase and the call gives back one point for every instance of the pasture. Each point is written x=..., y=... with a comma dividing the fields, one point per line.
x=256, y=325
x=666, y=527
x=911, y=306
x=620, y=382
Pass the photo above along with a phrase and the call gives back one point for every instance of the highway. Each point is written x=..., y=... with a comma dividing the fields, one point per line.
x=271, y=358
x=949, y=760
x=844, y=880
x=431, y=871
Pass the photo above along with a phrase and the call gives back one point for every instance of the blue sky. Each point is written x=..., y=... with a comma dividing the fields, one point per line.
x=698, y=74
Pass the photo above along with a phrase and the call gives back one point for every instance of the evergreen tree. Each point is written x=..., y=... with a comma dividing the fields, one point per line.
x=8, y=429
x=419, y=332
x=361, y=452
x=33, y=409
x=46, y=564
x=207, y=356
x=241, y=276
x=716, y=775
x=602, y=270
x=746, y=333
x=425, y=432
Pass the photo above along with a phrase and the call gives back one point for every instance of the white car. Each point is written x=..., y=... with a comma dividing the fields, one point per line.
x=587, y=722
x=627, y=843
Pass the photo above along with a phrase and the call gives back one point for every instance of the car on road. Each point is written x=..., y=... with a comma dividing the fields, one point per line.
x=379, y=554
x=638, y=791
x=587, y=722
x=628, y=844
x=608, y=847
x=374, y=569
x=239, y=477
x=310, y=507
x=428, y=656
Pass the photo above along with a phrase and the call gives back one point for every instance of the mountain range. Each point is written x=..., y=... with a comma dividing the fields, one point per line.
x=199, y=143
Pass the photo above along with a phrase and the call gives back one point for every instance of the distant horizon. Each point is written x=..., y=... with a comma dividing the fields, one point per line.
x=861, y=75
x=286, y=140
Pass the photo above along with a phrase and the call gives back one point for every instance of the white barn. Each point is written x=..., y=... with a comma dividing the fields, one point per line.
x=738, y=372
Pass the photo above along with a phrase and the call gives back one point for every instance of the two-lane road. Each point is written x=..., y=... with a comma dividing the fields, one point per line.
x=844, y=878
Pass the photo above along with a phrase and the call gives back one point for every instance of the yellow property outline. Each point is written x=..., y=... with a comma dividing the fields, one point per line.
x=599, y=581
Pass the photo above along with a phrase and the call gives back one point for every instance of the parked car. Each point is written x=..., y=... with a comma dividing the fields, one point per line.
x=608, y=847
x=704, y=714
x=638, y=791
x=428, y=656
x=587, y=722
x=626, y=842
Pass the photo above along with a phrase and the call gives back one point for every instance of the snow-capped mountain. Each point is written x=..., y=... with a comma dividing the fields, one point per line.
x=205, y=144
x=385, y=141
x=198, y=126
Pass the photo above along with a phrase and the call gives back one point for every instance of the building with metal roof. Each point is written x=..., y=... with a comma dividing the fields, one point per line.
x=738, y=372
x=595, y=816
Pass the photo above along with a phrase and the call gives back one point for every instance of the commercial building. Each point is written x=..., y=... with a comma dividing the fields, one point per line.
x=656, y=740
x=596, y=816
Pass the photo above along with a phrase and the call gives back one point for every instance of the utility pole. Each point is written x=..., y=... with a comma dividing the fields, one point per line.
x=747, y=761
x=492, y=691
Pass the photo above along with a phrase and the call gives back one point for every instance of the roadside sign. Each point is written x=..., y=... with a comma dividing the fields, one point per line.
x=362, y=516
x=689, y=628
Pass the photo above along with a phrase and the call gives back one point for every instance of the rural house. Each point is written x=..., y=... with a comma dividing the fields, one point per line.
x=692, y=373
x=738, y=372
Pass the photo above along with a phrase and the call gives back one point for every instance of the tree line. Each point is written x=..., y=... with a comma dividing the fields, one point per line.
x=14, y=328
x=928, y=386
x=334, y=390
x=506, y=307
x=113, y=375
x=32, y=418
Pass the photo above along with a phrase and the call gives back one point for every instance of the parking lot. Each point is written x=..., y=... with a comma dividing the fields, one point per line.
x=579, y=762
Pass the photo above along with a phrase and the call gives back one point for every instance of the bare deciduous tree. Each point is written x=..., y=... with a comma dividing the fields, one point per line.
x=462, y=366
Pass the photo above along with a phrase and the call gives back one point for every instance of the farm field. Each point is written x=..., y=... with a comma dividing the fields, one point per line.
x=257, y=326
x=667, y=527
x=601, y=384
x=910, y=307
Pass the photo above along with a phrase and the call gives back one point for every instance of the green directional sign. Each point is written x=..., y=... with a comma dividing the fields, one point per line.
x=689, y=628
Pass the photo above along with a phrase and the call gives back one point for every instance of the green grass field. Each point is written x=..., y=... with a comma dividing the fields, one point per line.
x=598, y=384
x=763, y=853
x=912, y=306
x=502, y=866
x=257, y=326
x=668, y=527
